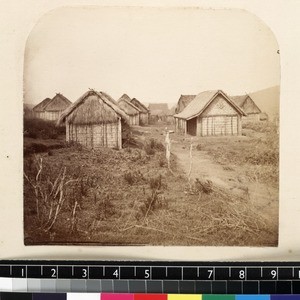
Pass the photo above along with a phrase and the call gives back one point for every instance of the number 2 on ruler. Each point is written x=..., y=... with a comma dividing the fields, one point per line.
x=53, y=273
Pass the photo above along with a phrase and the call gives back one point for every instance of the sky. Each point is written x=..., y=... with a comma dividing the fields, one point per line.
x=152, y=54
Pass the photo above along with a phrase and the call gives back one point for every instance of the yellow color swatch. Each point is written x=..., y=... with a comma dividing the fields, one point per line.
x=184, y=297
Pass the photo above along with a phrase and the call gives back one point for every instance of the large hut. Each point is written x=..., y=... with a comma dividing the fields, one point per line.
x=211, y=113
x=144, y=111
x=247, y=104
x=130, y=109
x=51, y=109
x=183, y=102
x=94, y=121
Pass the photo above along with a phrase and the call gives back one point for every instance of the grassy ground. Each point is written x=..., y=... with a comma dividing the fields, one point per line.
x=130, y=197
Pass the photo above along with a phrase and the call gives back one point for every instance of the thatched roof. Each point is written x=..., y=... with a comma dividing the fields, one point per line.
x=110, y=98
x=58, y=103
x=183, y=102
x=159, y=109
x=140, y=105
x=246, y=103
x=129, y=108
x=124, y=97
x=41, y=106
x=92, y=108
x=202, y=101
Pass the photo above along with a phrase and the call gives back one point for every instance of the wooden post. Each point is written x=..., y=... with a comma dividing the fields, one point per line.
x=239, y=123
x=119, y=134
x=185, y=126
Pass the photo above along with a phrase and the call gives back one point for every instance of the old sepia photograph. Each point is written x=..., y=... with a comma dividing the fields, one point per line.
x=151, y=126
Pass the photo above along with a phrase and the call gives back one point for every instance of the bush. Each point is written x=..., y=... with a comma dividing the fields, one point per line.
x=42, y=129
x=129, y=178
x=152, y=145
x=39, y=147
x=155, y=182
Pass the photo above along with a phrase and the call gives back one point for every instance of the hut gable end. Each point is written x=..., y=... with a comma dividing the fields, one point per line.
x=247, y=104
x=220, y=106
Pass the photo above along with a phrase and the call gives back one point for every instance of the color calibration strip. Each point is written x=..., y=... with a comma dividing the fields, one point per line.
x=34, y=285
x=108, y=296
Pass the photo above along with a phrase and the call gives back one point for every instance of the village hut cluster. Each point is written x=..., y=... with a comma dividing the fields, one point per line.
x=96, y=120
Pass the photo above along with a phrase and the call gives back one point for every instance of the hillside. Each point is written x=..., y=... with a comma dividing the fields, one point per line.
x=268, y=100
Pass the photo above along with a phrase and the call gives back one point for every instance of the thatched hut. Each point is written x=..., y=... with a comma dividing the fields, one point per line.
x=130, y=109
x=51, y=109
x=144, y=111
x=94, y=121
x=158, y=112
x=247, y=104
x=183, y=102
x=210, y=113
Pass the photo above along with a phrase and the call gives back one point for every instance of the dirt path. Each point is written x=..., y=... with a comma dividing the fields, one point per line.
x=232, y=178
x=263, y=197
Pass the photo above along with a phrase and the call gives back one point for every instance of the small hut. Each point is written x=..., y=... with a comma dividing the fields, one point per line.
x=94, y=121
x=247, y=104
x=158, y=112
x=51, y=109
x=144, y=111
x=183, y=102
x=211, y=113
x=130, y=109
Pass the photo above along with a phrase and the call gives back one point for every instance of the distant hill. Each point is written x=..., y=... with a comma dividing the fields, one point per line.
x=268, y=100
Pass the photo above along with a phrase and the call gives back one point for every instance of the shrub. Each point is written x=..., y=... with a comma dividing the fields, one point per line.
x=129, y=178
x=155, y=182
x=152, y=145
x=42, y=129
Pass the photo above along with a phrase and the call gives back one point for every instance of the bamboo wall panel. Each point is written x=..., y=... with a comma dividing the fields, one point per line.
x=94, y=136
x=219, y=125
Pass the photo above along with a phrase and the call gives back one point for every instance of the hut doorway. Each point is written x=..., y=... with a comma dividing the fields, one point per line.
x=192, y=126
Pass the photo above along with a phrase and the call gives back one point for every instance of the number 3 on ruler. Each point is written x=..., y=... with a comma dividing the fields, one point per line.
x=84, y=273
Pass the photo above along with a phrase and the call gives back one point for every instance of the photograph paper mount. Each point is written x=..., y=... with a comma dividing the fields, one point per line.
x=204, y=123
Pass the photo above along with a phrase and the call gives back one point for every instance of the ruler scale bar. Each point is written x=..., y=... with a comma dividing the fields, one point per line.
x=151, y=277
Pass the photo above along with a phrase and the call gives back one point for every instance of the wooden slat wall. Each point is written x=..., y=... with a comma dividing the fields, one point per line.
x=218, y=125
x=95, y=136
